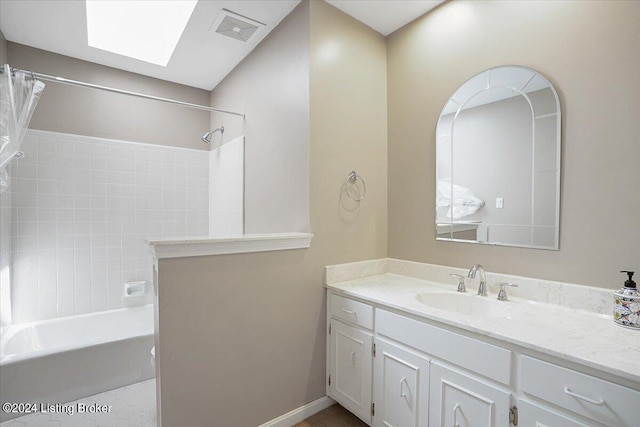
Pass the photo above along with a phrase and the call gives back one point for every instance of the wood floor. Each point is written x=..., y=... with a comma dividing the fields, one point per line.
x=333, y=416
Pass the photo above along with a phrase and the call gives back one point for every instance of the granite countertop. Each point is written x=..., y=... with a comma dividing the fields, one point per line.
x=585, y=337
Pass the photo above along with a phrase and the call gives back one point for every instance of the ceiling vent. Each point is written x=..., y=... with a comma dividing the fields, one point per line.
x=236, y=26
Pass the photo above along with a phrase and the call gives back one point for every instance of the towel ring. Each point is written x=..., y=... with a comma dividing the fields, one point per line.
x=352, y=178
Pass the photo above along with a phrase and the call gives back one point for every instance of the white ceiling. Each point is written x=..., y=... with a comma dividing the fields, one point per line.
x=385, y=16
x=202, y=57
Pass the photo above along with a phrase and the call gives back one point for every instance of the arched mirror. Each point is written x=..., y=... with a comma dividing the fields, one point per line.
x=498, y=161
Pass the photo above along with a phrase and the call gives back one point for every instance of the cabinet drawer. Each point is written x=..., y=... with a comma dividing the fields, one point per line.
x=486, y=359
x=533, y=415
x=352, y=311
x=603, y=401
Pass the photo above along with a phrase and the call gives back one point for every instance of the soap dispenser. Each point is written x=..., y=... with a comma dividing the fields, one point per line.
x=626, y=310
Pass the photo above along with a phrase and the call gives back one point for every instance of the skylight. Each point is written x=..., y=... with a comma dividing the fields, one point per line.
x=147, y=30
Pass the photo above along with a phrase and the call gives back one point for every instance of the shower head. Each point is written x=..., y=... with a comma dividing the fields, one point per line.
x=206, y=138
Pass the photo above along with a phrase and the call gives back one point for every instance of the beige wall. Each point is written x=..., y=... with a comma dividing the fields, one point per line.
x=83, y=111
x=590, y=51
x=242, y=337
x=271, y=86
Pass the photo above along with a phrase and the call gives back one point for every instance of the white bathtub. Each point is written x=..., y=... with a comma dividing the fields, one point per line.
x=64, y=359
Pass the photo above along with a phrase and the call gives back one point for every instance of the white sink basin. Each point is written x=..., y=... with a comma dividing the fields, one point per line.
x=466, y=304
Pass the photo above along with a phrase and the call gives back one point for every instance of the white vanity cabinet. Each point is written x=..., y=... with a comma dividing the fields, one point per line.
x=393, y=369
x=451, y=397
x=350, y=355
x=400, y=386
x=380, y=371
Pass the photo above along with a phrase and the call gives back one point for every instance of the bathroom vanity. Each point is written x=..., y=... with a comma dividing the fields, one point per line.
x=405, y=349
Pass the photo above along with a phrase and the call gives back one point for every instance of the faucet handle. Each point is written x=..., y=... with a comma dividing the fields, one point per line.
x=502, y=294
x=461, y=286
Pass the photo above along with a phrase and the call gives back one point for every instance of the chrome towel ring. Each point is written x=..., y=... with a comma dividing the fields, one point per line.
x=352, y=180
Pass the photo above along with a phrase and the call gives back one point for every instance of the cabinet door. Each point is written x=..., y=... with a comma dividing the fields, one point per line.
x=457, y=400
x=351, y=368
x=401, y=387
x=533, y=415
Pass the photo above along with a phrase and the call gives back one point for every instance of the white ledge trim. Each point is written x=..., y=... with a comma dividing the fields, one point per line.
x=203, y=246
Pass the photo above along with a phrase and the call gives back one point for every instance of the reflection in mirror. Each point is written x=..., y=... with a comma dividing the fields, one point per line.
x=498, y=161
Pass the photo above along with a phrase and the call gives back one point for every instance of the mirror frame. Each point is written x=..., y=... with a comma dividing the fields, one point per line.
x=497, y=85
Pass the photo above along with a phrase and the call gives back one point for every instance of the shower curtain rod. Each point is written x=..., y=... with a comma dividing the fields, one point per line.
x=65, y=81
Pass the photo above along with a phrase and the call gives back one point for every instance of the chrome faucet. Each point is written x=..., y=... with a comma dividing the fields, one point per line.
x=482, y=288
x=460, y=277
x=502, y=294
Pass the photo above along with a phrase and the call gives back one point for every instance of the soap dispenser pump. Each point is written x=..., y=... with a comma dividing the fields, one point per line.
x=626, y=310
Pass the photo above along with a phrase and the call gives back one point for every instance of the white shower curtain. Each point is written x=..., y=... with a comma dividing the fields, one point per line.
x=18, y=100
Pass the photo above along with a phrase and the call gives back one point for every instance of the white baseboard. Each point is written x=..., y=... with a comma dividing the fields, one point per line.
x=301, y=413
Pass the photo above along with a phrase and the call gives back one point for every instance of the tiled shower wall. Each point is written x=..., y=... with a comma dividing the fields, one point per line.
x=226, y=189
x=5, y=258
x=81, y=209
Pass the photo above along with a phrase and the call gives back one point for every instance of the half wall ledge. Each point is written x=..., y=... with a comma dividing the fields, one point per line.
x=204, y=246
